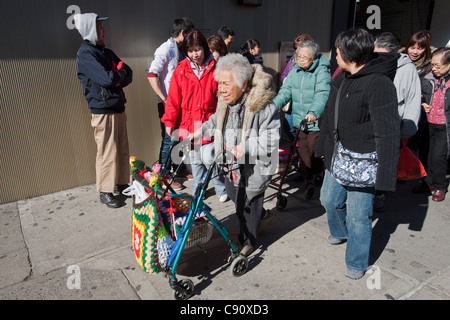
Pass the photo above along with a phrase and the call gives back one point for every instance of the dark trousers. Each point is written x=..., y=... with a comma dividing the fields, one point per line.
x=437, y=156
x=306, y=146
x=419, y=143
x=249, y=213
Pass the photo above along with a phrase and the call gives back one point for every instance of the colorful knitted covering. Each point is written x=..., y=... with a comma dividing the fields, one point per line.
x=146, y=227
x=156, y=223
x=151, y=242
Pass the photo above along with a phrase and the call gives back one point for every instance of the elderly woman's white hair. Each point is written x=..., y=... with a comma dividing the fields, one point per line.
x=313, y=46
x=238, y=65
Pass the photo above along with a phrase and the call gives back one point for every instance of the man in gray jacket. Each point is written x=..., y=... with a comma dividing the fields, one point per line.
x=406, y=82
x=408, y=87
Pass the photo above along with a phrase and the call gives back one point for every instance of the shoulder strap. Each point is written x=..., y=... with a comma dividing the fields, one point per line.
x=336, y=111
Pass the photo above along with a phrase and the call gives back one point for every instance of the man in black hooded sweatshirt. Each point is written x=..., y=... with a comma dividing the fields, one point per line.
x=368, y=121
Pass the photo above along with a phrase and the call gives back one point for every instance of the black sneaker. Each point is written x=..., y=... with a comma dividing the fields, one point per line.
x=109, y=200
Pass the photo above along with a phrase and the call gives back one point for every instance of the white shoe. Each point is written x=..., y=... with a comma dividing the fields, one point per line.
x=223, y=198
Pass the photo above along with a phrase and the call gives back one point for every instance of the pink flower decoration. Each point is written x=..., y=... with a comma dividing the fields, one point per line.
x=157, y=168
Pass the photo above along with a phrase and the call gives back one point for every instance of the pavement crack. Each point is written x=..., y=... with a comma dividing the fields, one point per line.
x=26, y=245
x=423, y=284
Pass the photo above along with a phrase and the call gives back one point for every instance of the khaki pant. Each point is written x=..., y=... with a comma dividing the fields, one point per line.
x=112, y=163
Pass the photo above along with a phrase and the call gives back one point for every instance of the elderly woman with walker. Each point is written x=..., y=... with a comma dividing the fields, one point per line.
x=246, y=130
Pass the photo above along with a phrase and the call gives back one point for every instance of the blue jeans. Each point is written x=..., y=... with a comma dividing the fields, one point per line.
x=166, y=140
x=201, y=158
x=349, y=213
x=166, y=143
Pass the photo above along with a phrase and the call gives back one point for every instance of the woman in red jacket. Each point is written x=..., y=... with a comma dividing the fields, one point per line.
x=191, y=100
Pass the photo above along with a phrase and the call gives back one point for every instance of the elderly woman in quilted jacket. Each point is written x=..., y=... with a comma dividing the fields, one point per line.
x=307, y=86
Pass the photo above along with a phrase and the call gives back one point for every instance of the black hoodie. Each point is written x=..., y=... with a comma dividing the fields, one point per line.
x=368, y=117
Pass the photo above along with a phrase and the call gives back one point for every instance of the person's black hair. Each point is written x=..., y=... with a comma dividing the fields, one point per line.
x=249, y=44
x=225, y=32
x=181, y=24
x=355, y=45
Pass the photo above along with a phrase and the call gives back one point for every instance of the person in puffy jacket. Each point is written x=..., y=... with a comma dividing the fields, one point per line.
x=165, y=60
x=287, y=125
x=307, y=86
x=192, y=99
x=103, y=76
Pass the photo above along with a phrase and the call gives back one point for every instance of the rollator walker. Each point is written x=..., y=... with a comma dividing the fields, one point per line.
x=196, y=228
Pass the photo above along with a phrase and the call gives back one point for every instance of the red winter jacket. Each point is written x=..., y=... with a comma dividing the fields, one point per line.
x=191, y=101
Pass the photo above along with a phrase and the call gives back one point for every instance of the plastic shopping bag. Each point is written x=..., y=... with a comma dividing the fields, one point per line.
x=409, y=166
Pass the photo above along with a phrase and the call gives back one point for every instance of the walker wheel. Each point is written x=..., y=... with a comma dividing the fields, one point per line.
x=239, y=266
x=187, y=289
x=281, y=202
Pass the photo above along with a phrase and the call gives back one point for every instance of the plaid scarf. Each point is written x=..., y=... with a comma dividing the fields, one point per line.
x=441, y=82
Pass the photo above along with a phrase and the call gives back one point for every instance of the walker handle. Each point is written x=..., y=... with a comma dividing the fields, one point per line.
x=160, y=191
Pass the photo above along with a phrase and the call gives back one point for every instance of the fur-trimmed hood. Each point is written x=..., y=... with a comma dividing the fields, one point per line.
x=260, y=131
x=260, y=94
x=261, y=90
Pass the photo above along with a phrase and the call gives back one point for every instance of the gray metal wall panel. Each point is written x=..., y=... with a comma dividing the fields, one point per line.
x=46, y=141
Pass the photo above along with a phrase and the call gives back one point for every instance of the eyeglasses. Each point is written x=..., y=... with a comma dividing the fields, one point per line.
x=303, y=58
x=437, y=66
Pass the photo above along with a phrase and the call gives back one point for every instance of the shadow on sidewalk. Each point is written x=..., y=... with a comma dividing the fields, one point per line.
x=402, y=207
x=209, y=260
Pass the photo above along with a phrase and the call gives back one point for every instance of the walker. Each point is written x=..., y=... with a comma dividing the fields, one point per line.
x=166, y=223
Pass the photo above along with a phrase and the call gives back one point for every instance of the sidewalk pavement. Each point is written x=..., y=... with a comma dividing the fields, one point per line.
x=49, y=241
